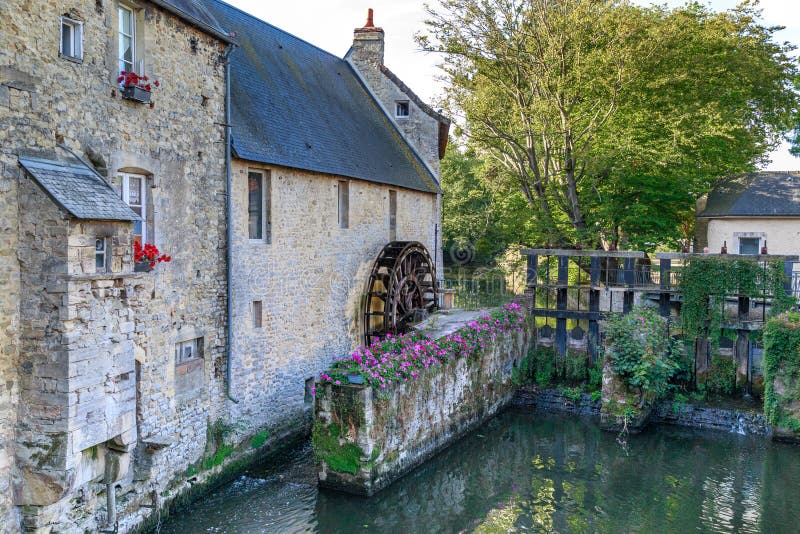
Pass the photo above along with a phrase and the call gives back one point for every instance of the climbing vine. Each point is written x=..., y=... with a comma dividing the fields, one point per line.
x=782, y=370
x=706, y=281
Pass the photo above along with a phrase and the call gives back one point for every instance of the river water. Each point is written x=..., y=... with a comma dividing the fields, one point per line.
x=531, y=473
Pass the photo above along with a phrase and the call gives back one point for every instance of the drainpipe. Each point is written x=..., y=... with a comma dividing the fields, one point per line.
x=229, y=222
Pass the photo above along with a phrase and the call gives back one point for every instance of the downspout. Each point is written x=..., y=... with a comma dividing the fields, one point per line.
x=229, y=224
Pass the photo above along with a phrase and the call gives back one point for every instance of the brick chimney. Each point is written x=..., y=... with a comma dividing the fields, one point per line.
x=367, y=44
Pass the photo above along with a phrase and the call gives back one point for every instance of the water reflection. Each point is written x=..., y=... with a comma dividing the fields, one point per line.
x=529, y=473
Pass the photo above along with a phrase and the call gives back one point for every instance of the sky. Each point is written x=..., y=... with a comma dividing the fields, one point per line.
x=329, y=25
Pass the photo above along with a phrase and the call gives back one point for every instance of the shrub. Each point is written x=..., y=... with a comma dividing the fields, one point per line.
x=642, y=352
x=782, y=365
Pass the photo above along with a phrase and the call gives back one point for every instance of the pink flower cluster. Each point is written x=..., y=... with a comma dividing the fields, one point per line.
x=792, y=315
x=404, y=357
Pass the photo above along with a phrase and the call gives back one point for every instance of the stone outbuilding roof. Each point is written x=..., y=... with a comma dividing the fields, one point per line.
x=757, y=194
x=295, y=105
x=78, y=189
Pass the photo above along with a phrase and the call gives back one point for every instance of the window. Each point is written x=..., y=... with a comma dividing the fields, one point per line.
x=127, y=39
x=392, y=215
x=309, y=389
x=257, y=317
x=134, y=194
x=71, y=39
x=401, y=108
x=101, y=255
x=258, y=206
x=749, y=245
x=344, y=204
x=188, y=351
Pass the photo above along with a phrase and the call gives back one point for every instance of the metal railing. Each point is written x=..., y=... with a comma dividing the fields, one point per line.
x=476, y=294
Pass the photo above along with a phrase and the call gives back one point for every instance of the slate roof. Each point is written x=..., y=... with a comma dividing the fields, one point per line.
x=195, y=13
x=78, y=189
x=298, y=106
x=757, y=194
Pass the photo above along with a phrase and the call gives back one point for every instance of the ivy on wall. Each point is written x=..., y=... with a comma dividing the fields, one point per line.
x=782, y=370
x=706, y=281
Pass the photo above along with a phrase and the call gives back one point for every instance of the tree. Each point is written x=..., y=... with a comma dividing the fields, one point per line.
x=609, y=118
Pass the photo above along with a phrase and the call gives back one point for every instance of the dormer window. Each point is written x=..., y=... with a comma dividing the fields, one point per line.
x=71, y=39
x=401, y=109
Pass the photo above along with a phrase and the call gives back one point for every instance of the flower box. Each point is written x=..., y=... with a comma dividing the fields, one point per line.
x=136, y=93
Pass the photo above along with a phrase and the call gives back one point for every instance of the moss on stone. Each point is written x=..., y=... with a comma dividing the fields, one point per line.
x=345, y=458
x=259, y=439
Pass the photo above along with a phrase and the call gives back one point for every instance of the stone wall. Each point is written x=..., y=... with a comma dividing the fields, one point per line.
x=310, y=279
x=665, y=412
x=97, y=352
x=394, y=430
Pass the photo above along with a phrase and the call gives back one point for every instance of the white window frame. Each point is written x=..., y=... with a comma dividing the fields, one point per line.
x=104, y=254
x=76, y=42
x=266, y=206
x=194, y=345
x=126, y=184
x=738, y=236
x=398, y=105
x=120, y=34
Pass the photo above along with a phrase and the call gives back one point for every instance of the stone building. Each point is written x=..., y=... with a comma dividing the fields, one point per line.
x=119, y=389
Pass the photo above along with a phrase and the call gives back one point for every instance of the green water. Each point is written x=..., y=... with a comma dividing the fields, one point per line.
x=532, y=473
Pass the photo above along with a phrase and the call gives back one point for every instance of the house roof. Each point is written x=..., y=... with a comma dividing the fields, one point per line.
x=78, y=189
x=195, y=13
x=756, y=194
x=295, y=105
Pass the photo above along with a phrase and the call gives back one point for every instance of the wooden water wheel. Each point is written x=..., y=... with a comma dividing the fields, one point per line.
x=401, y=289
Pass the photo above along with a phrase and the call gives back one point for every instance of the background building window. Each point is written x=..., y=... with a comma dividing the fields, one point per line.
x=257, y=314
x=258, y=206
x=401, y=108
x=71, y=38
x=749, y=245
x=127, y=39
x=101, y=255
x=344, y=204
x=134, y=194
x=392, y=215
x=187, y=351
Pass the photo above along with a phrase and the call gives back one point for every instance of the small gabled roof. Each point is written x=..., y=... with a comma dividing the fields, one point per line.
x=195, y=13
x=295, y=105
x=756, y=194
x=78, y=189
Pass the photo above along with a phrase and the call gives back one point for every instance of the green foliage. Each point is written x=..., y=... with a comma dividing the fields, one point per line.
x=706, y=280
x=573, y=393
x=642, y=351
x=782, y=370
x=218, y=457
x=345, y=458
x=720, y=378
x=596, y=395
x=259, y=439
x=596, y=375
x=650, y=104
x=576, y=366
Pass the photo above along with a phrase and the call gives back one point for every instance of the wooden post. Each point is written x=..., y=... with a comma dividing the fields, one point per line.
x=627, y=299
x=561, y=304
x=594, y=307
x=531, y=279
x=663, y=298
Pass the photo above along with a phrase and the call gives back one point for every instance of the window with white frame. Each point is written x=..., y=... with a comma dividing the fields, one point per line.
x=401, y=109
x=101, y=255
x=127, y=38
x=259, y=226
x=187, y=351
x=749, y=245
x=71, y=46
x=134, y=193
